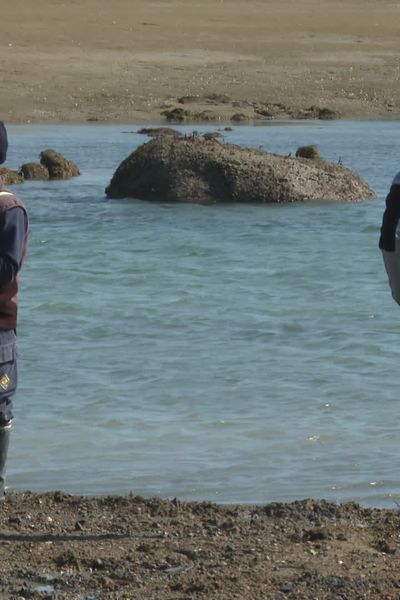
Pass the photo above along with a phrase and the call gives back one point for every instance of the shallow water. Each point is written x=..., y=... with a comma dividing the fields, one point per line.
x=233, y=353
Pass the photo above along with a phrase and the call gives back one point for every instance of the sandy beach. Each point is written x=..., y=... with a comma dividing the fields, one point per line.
x=130, y=60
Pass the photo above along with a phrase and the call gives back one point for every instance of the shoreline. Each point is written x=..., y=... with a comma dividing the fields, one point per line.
x=156, y=122
x=130, y=547
x=216, y=125
x=204, y=112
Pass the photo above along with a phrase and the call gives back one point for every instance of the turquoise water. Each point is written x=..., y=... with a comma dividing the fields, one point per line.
x=233, y=353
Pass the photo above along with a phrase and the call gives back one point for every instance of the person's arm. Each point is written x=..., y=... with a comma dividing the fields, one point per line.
x=12, y=239
x=390, y=220
x=392, y=266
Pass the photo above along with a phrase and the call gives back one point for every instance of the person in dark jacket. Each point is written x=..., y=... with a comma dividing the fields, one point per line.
x=389, y=241
x=13, y=245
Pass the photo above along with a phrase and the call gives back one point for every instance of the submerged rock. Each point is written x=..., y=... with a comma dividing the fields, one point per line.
x=58, y=166
x=34, y=171
x=195, y=170
x=158, y=131
x=10, y=177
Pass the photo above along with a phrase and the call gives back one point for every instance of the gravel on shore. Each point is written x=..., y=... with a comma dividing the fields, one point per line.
x=55, y=545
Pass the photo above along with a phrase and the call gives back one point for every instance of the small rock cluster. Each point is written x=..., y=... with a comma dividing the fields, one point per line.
x=52, y=165
x=217, y=107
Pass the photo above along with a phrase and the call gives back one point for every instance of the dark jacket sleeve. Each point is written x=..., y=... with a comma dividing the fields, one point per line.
x=391, y=216
x=12, y=237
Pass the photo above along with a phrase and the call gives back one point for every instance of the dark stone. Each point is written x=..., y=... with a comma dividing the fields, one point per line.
x=15, y=520
x=66, y=558
x=34, y=171
x=218, y=98
x=308, y=152
x=157, y=131
x=316, y=534
x=174, y=114
x=58, y=166
x=205, y=115
x=97, y=564
x=80, y=525
x=264, y=112
x=315, y=112
x=386, y=546
x=188, y=99
x=287, y=588
x=208, y=99
x=212, y=135
x=193, y=170
x=10, y=177
x=237, y=117
x=328, y=114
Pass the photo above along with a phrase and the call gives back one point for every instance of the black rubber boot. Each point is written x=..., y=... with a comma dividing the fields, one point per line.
x=4, y=442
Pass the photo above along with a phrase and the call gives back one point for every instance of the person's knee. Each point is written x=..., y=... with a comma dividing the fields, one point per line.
x=6, y=410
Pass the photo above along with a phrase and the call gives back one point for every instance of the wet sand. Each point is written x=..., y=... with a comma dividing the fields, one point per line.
x=127, y=61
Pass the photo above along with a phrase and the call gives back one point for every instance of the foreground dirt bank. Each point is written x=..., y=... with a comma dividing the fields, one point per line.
x=127, y=61
x=59, y=546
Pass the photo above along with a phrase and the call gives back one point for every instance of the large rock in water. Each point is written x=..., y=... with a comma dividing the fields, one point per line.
x=196, y=170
